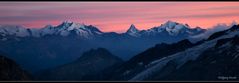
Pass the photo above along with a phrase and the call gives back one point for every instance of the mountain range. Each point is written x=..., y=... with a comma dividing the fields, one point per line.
x=206, y=60
x=73, y=51
x=83, y=31
x=56, y=45
x=214, y=58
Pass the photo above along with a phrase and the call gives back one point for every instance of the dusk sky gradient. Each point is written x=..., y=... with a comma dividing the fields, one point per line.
x=118, y=16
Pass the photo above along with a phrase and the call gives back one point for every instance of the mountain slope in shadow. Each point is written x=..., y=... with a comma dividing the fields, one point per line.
x=90, y=63
x=11, y=71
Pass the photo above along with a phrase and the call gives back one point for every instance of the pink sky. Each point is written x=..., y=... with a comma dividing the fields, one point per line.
x=118, y=16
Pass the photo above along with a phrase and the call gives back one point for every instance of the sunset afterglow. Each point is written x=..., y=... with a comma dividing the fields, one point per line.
x=118, y=16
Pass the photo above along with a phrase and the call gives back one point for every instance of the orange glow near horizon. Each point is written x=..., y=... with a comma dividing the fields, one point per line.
x=118, y=16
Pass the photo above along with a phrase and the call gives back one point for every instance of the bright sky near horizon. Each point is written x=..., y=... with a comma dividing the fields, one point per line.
x=118, y=16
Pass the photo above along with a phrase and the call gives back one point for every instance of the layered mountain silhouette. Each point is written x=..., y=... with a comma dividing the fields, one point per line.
x=140, y=61
x=206, y=60
x=52, y=46
x=74, y=51
x=211, y=60
x=91, y=63
x=217, y=63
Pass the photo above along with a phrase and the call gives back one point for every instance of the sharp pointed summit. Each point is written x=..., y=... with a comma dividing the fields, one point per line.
x=133, y=31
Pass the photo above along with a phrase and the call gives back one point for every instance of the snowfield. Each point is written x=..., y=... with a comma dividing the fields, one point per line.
x=181, y=58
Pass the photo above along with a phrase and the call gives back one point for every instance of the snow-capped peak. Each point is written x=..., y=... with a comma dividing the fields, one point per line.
x=16, y=30
x=133, y=31
x=174, y=25
x=170, y=24
x=234, y=23
x=67, y=21
x=68, y=27
x=174, y=28
x=65, y=24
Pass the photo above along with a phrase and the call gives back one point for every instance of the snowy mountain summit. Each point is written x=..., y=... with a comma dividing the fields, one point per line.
x=15, y=30
x=175, y=28
x=66, y=28
x=133, y=31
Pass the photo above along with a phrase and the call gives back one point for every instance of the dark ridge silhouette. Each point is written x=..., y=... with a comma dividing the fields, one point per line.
x=220, y=33
x=139, y=61
x=87, y=67
x=212, y=65
x=11, y=71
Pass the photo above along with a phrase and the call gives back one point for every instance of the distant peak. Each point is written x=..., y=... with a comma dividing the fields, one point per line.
x=48, y=25
x=132, y=25
x=67, y=21
x=234, y=23
x=132, y=29
x=171, y=25
x=68, y=24
x=171, y=22
x=234, y=27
